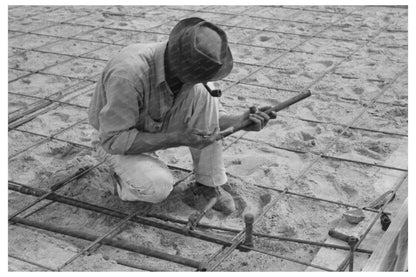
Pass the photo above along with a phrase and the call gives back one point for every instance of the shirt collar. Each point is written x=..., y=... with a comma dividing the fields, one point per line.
x=160, y=63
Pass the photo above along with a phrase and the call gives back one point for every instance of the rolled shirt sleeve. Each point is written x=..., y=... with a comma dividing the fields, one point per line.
x=117, y=119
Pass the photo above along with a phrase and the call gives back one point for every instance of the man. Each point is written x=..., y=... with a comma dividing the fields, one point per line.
x=151, y=97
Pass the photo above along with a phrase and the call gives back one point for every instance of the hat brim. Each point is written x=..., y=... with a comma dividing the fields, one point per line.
x=181, y=27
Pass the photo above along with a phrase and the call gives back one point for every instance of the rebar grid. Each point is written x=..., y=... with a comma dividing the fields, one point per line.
x=223, y=253
x=249, y=75
x=138, y=219
x=82, y=55
x=239, y=237
x=288, y=116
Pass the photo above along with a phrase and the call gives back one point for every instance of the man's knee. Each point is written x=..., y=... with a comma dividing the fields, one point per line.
x=143, y=178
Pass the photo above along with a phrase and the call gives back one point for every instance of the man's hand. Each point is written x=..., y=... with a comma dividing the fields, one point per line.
x=196, y=138
x=258, y=117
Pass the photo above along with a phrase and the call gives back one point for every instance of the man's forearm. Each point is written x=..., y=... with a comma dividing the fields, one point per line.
x=149, y=142
x=227, y=120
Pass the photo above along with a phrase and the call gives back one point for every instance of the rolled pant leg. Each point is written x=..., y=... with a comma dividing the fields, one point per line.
x=196, y=108
x=141, y=177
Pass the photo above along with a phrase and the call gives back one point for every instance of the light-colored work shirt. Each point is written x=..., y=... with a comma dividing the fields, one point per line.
x=131, y=96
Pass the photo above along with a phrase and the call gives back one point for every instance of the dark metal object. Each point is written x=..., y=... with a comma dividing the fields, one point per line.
x=385, y=221
x=248, y=220
x=352, y=242
x=196, y=217
x=382, y=199
x=277, y=108
x=125, y=245
x=214, y=92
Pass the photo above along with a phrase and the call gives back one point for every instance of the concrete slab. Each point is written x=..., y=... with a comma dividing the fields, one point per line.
x=35, y=61
x=41, y=85
x=78, y=68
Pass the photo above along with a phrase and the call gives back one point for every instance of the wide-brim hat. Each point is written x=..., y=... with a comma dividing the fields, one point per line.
x=198, y=51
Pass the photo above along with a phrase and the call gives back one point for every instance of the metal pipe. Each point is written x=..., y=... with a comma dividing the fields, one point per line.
x=122, y=244
x=248, y=220
x=260, y=235
x=138, y=219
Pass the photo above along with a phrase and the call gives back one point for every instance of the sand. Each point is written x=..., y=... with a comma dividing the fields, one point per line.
x=273, y=157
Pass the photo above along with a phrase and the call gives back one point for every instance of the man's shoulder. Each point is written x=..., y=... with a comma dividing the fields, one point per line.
x=133, y=60
x=140, y=48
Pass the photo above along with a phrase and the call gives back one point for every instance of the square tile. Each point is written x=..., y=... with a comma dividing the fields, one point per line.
x=30, y=41
x=141, y=37
x=61, y=14
x=276, y=79
x=106, y=35
x=34, y=61
x=81, y=68
x=275, y=40
x=41, y=85
x=165, y=28
x=271, y=12
x=331, y=8
x=29, y=24
x=104, y=53
x=398, y=92
x=81, y=133
x=38, y=166
x=242, y=96
x=18, y=141
x=369, y=69
x=95, y=19
x=236, y=34
x=245, y=21
x=73, y=47
x=15, y=74
x=64, y=30
x=348, y=88
x=385, y=118
x=348, y=32
x=232, y=9
x=253, y=55
x=240, y=71
x=295, y=28
x=134, y=23
x=26, y=11
x=313, y=64
x=215, y=18
x=314, y=17
x=163, y=14
x=19, y=103
x=328, y=46
x=54, y=121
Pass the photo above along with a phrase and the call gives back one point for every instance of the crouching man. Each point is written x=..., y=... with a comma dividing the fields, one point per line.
x=151, y=97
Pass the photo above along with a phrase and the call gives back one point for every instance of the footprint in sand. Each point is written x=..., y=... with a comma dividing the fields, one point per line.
x=62, y=116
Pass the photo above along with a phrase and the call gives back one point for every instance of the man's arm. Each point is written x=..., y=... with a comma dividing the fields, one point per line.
x=118, y=118
x=258, y=118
